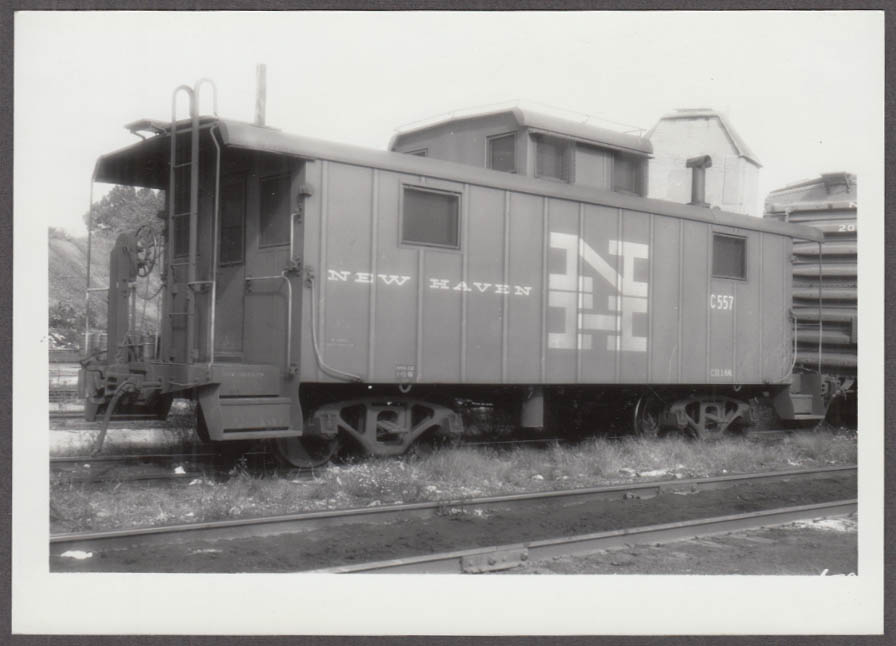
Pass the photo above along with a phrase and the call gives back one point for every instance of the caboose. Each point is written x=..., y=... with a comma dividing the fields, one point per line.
x=316, y=293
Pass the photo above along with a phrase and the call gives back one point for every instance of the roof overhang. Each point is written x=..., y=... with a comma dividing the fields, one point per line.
x=141, y=164
x=146, y=164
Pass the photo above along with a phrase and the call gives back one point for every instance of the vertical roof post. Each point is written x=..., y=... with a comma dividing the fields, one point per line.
x=260, y=93
x=698, y=179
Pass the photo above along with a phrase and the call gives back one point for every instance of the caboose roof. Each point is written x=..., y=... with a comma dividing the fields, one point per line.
x=540, y=123
x=829, y=191
x=145, y=164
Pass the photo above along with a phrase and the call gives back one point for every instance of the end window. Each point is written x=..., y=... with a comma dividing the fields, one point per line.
x=502, y=152
x=430, y=218
x=729, y=257
x=274, y=210
x=552, y=158
x=233, y=209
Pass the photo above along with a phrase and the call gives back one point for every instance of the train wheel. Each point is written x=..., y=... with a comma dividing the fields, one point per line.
x=305, y=452
x=713, y=417
x=647, y=416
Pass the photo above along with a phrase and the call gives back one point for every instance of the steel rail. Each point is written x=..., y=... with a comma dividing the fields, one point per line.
x=122, y=421
x=306, y=521
x=146, y=477
x=502, y=557
x=133, y=457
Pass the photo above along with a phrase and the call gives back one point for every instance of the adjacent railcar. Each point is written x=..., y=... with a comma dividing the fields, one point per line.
x=827, y=330
x=316, y=293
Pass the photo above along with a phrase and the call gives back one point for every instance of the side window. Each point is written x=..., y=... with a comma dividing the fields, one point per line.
x=430, y=217
x=552, y=158
x=274, y=210
x=627, y=174
x=422, y=152
x=729, y=256
x=233, y=213
x=502, y=152
x=593, y=167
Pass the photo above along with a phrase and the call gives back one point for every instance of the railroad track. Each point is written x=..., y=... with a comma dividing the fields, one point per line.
x=133, y=457
x=297, y=523
x=81, y=468
x=503, y=557
x=74, y=421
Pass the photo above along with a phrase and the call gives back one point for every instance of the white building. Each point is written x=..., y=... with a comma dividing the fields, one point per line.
x=732, y=181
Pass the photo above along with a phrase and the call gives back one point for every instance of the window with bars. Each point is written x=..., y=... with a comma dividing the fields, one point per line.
x=233, y=214
x=502, y=152
x=274, y=210
x=627, y=171
x=729, y=256
x=430, y=218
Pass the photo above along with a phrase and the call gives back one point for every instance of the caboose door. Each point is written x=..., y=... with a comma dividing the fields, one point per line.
x=269, y=292
x=231, y=272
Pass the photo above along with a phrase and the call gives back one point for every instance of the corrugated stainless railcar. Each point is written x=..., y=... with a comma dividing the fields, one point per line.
x=316, y=291
x=827, y=339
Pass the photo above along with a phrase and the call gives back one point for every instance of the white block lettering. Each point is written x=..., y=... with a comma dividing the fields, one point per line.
x=567, y=338
x=391, y=279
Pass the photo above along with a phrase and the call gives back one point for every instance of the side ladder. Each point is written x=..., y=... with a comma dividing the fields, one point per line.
x=189, y=211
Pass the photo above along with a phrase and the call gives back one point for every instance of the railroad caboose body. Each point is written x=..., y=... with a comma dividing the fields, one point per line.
x=314, y=291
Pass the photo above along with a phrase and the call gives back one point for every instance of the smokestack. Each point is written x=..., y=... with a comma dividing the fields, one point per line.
x=260, y=93
x=698, y=179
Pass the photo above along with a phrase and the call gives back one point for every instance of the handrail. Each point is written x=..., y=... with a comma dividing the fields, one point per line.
x=820, y=299
x=333, y=372
x=194, y=200
x=169, y=248
x=215, y=218
x=199, y=84
x=87, y=288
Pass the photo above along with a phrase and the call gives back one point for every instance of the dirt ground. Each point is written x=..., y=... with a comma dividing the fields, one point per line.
x=821, y=547
x=453, y=531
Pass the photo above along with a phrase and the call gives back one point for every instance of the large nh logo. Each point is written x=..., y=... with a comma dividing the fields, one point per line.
x=581, y=317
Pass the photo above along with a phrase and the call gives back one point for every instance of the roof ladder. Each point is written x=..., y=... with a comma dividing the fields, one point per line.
x=176, y=210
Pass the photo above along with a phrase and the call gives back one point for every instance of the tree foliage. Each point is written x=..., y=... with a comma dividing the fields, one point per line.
x=56, y=233
x=126, y=208
x=66, y=323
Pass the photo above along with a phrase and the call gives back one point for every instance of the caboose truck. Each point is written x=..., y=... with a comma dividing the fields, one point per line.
x=315, y=293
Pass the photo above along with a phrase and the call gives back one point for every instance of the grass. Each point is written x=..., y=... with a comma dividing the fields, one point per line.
x=447, y=474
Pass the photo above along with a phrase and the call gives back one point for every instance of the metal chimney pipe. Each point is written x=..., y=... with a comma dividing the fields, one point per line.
x=698, y=179
x=260, y=93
